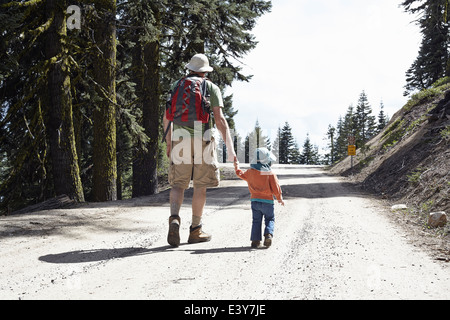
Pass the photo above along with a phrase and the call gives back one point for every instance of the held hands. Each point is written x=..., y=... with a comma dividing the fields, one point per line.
x=236, y=163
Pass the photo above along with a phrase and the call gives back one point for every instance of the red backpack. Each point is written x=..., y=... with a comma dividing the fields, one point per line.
x=188, y=103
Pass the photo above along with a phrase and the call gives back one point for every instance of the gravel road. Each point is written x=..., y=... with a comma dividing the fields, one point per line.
x=330, y=242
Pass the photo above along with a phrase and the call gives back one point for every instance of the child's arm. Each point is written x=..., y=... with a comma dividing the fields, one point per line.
x=276, y=189
x=239, y=172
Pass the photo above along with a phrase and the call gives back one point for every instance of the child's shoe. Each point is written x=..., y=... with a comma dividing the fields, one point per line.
x=268, y=240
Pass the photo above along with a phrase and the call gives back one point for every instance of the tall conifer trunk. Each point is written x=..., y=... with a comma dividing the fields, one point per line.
x=146, y=65
x=104, y=114
x=66, y=173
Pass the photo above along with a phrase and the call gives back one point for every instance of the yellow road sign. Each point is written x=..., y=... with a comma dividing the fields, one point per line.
x=352, y=150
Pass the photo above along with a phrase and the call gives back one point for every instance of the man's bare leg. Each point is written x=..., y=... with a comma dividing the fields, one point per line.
x=198, y=204
x=176, y=200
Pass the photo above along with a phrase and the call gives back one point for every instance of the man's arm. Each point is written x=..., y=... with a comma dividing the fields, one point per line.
x=224, y=129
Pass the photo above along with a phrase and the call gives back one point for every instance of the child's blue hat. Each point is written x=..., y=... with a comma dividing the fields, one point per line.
x=263, y=155
x=262, y=159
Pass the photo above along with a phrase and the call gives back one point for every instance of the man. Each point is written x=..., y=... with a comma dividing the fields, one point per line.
x=195, y=157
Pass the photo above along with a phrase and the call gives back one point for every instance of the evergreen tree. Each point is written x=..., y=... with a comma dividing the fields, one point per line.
x=349, y=124
x=66, y=173
x=286, y=144
x=124, y=159
x=316, y=156
x=37, y=140
x=345, y=127
x=382, y=118
x=295, y=155
x=144, y=32
x=359, y=124
x=341, y=140
x=310, y=153
x=228, y=111
x=433, y=61
x=220, y=29
x=104, y=114
x=349, y=128
x=331, y=136
x=364, y=121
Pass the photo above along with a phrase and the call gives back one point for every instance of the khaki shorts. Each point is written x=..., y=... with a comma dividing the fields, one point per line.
x=194, y=159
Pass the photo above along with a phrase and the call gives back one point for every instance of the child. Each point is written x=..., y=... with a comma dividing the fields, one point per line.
x=263, y=185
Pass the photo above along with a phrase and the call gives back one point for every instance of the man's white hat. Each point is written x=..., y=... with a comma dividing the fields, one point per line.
x=199, y=63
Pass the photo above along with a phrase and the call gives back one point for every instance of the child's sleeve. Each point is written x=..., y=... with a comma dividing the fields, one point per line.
x=275, y=187
x=241, y=174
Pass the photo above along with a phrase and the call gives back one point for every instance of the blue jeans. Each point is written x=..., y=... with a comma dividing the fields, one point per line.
x=260, y=210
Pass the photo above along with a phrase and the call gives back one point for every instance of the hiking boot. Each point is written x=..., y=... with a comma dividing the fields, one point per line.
x=196, y=235
x=173, y=238
x=256, y=244
x=268, y=240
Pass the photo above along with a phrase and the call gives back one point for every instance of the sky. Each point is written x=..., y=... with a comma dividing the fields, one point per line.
x=315, y=57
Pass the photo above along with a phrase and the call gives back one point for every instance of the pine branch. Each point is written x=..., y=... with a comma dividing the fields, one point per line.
x=40, y=30
x=21, y=4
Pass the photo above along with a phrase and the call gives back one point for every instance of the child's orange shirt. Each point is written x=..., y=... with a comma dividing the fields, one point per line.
x=262, y=185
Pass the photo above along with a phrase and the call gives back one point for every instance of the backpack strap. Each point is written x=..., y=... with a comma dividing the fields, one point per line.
x=166, y=132
x=169, y=105
x=205, y=93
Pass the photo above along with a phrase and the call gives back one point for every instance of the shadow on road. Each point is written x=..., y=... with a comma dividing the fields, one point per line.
x=321, y=190
x=82, y=256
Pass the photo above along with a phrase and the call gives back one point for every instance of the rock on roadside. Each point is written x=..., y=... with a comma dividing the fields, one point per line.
x=437, y=219
x=399, y=207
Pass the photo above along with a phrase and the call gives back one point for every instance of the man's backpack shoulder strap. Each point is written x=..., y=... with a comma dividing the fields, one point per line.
x=205, y=89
